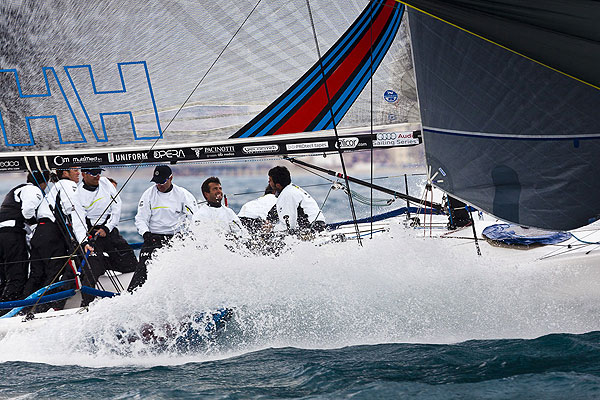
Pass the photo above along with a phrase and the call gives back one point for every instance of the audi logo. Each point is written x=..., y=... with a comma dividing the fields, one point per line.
x=387, y=136
x=5, y=164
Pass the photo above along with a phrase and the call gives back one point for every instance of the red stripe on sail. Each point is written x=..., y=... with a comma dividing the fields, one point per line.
x=299, y=120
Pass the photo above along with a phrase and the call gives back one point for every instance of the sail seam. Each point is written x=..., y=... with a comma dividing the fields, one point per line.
x=510, y=136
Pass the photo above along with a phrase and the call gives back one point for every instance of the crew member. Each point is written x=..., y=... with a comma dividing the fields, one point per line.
x=17, y=217
x=102, y=207
x=164, y=209
x=216, y=212
x=60, y=229
x=255, y=213
x=296, y=209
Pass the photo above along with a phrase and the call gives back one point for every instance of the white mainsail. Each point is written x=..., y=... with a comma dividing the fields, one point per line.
x=83, y=79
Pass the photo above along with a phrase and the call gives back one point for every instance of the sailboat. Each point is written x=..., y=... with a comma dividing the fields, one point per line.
x=145, y=84
x=148, y=83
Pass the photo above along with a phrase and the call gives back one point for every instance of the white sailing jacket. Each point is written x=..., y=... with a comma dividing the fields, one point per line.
x=69, y=204
x=95, y=204
x=258, y=208
x=222, y=216
x=165, y=213
x=288, y=201
x=30, y=198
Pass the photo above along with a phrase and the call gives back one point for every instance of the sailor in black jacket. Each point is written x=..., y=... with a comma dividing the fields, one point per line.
x=17, y=216
x=60, y=226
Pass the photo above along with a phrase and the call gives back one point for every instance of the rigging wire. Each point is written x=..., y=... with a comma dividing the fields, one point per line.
x=137, y=165
x=360, y=198
x=371, y=104
x=189, y=97
x=312, y=23
x=64, y=222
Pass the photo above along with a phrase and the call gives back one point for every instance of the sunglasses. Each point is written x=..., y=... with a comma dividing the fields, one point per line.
x=94, y=172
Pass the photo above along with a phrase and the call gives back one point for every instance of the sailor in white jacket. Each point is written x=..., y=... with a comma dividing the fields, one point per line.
x=60, y=226
x=164, y=209
x=17, y=215
x=255, y=213
x=102, y=207
x=214, y=212
x=296, y=209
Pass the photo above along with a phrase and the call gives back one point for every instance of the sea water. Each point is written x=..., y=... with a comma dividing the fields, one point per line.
x=399, y=316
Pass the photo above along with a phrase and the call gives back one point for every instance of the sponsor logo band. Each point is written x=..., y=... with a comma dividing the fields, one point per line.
x=347, y=143
x=306, y=146
x=116, y=157
x=267, y=148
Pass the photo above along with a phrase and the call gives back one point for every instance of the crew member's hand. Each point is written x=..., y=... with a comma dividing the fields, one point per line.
x=88, y=248
x=101, y=232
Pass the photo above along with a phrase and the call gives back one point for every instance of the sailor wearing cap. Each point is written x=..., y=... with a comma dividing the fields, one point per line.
x=163, y=210
x=102, y=207
x=60, y=223
x=17, y=217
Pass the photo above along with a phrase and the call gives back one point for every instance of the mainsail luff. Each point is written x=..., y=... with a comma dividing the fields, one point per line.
x=511, y=135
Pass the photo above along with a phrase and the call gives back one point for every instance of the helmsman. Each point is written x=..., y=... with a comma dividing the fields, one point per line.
x=215, y=212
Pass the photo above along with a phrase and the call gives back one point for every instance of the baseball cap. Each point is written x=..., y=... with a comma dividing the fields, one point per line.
x=161, y=174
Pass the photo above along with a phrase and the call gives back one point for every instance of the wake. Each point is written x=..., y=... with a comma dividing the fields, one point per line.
x=396, y=288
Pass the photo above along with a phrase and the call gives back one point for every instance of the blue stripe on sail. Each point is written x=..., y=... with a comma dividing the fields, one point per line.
x=353, y=35
x=353, y=90
x=365, y=72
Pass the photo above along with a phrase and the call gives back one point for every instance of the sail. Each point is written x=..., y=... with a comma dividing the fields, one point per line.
x=509, y=100
x=314, y=103
x=104, y=82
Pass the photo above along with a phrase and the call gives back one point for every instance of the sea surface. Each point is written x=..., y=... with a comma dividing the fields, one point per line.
x=399, y=317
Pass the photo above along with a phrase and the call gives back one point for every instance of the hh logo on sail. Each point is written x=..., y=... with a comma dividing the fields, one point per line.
x=77, y=104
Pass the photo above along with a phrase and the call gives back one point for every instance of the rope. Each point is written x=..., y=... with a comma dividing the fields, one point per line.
x=137, y=166
x=583, y=241
x=383, y=216
x=360, y=198
x=312, y=23
x=38, y=300
x=373, y=202
x=35, y=294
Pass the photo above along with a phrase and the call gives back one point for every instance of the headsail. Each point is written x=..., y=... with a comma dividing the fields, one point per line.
x=93, y=83
x=509, y=103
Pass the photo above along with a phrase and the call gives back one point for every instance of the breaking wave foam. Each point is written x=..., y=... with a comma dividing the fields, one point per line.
x=396, y=288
